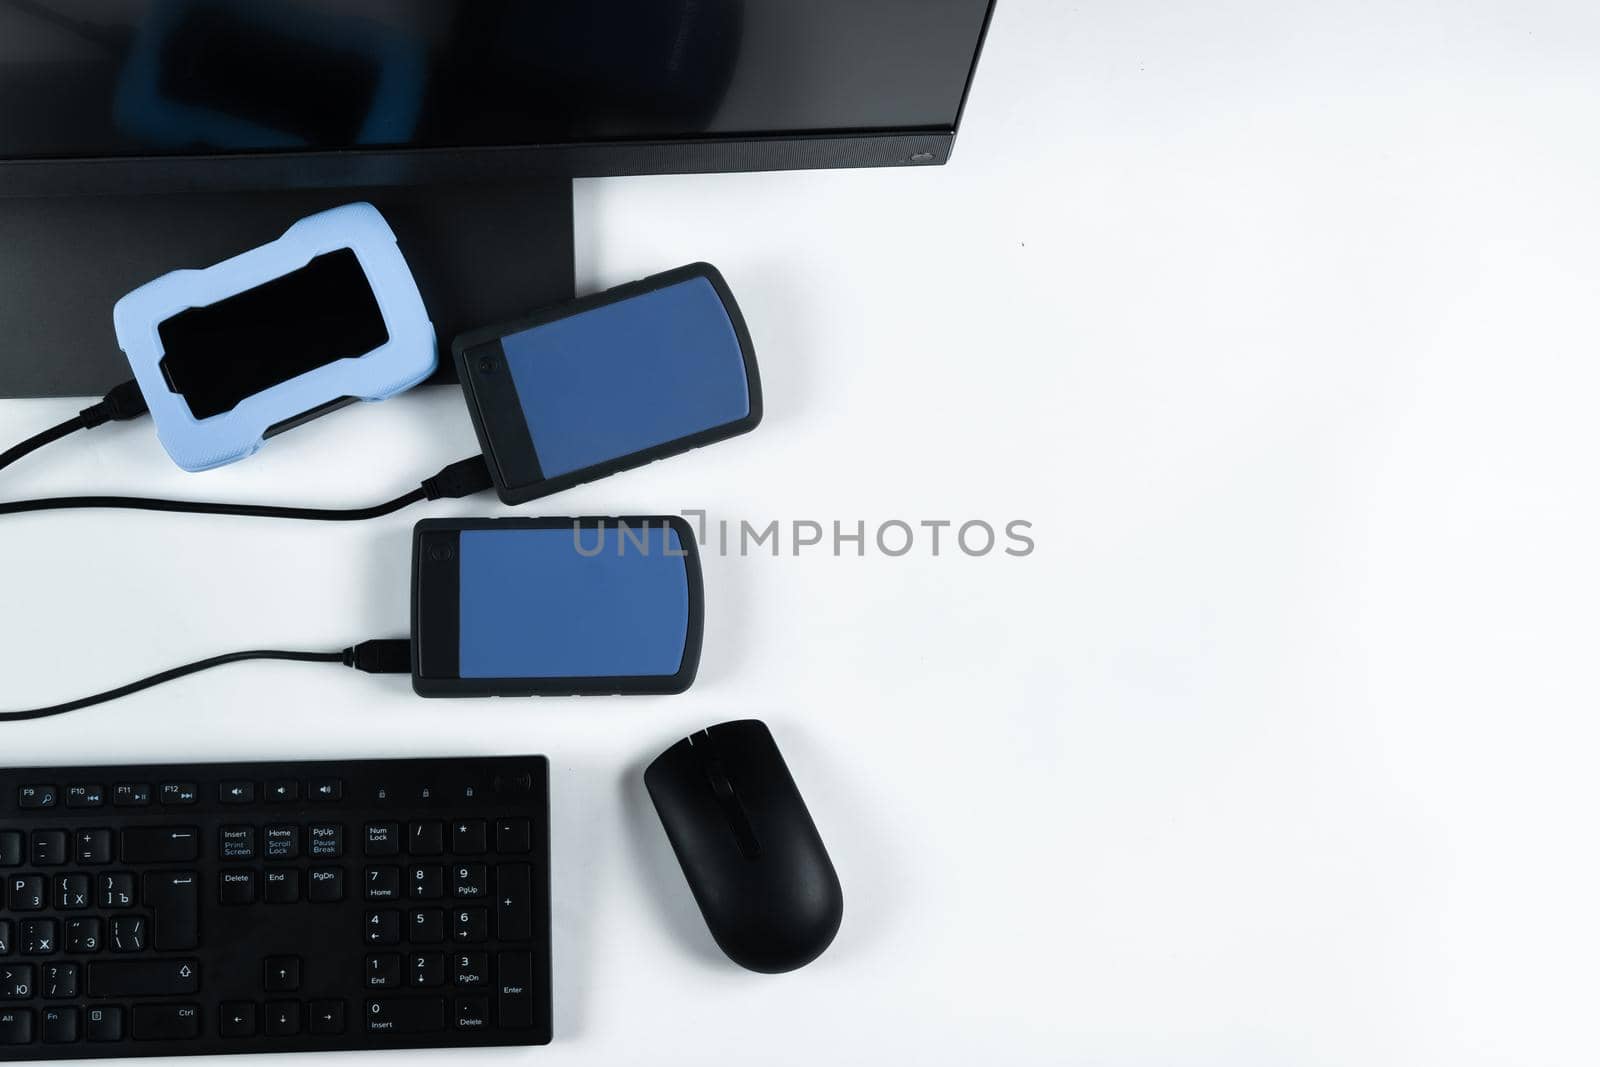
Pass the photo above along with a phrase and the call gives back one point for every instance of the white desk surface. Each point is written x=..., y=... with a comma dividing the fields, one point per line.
x=1277, y=320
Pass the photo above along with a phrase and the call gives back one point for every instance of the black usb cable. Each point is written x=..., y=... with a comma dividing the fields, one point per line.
x=463, y=478
x=123, y=403
x=386, y=656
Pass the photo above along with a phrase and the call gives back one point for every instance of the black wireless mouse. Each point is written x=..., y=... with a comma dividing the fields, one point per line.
x=748, y=847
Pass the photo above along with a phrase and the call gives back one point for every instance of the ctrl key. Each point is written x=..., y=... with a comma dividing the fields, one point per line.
x=166, y=1022
x=405, y=1015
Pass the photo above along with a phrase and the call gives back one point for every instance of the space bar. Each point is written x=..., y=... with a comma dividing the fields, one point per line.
x=144, y=978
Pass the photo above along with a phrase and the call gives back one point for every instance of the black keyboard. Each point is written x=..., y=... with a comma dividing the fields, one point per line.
x=274, y=907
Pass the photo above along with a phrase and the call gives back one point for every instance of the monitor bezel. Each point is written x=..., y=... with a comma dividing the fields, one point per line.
x=790, y=150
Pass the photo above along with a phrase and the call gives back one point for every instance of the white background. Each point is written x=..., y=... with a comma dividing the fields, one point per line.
x=1278, y=321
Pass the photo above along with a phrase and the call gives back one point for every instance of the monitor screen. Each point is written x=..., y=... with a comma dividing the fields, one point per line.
x=119, y=79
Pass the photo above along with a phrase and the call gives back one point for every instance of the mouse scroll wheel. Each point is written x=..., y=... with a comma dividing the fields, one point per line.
x=738, y=821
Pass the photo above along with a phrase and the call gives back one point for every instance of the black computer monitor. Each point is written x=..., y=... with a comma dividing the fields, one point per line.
x=137, y=136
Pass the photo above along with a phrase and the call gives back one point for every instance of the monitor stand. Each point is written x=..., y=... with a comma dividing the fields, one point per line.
x=480, y=253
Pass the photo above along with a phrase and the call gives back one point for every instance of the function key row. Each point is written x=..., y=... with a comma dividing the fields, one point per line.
x=174, y=794
x=122, y=795
x=281, y=790
x=465, y=837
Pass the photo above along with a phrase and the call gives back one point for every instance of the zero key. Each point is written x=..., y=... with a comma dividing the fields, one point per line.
x=405, y=1015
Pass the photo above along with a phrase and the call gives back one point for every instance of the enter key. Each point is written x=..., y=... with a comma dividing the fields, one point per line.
x=174, y=896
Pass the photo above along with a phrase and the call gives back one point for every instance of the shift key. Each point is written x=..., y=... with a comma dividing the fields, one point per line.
x=174, y=896
x=143, y=978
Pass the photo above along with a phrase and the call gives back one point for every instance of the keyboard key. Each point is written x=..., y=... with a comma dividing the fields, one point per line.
x=327, y=1016
x=427, y=926
x=237, y=887
x=160, y=844
x=427, y=969
x=94, y=847
x=283, y=790
x=166, y=1022
x=37, y=797
x=16, y=1027
x=59, y=1026
x=513, y=902
x=470, y=925
x=385, y=970
x=325, y=841
x=130, y=794
x=382, y=883
x=59, y=981
x=72, y=892
x=283, y=1018
x=174, y=896
x=281, y=974
x=405, y=1015
x=143, y=978
x=179, y=793
x=115, y=890
x=513, y=835
x=129, y=933
x=326, y=885
x=427, y=882
x=326, y=789
x=472, y=1013
x=27, y=892
x=238, y=1018
x=5, y=937
x=85, y=796
x=383, y=928
x=237, y=843
x=468, y=837
x=105, y=1024
x=49, y=848
x=427, y=837
x=383, y=839
x=469, y=881
x=16, y=981
x=516, y=989
x=281, y=842
x=237, y=792
x=11, y=848
x=83, y=935
x=282, y=886
x=40, y=937
x=472, y=970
